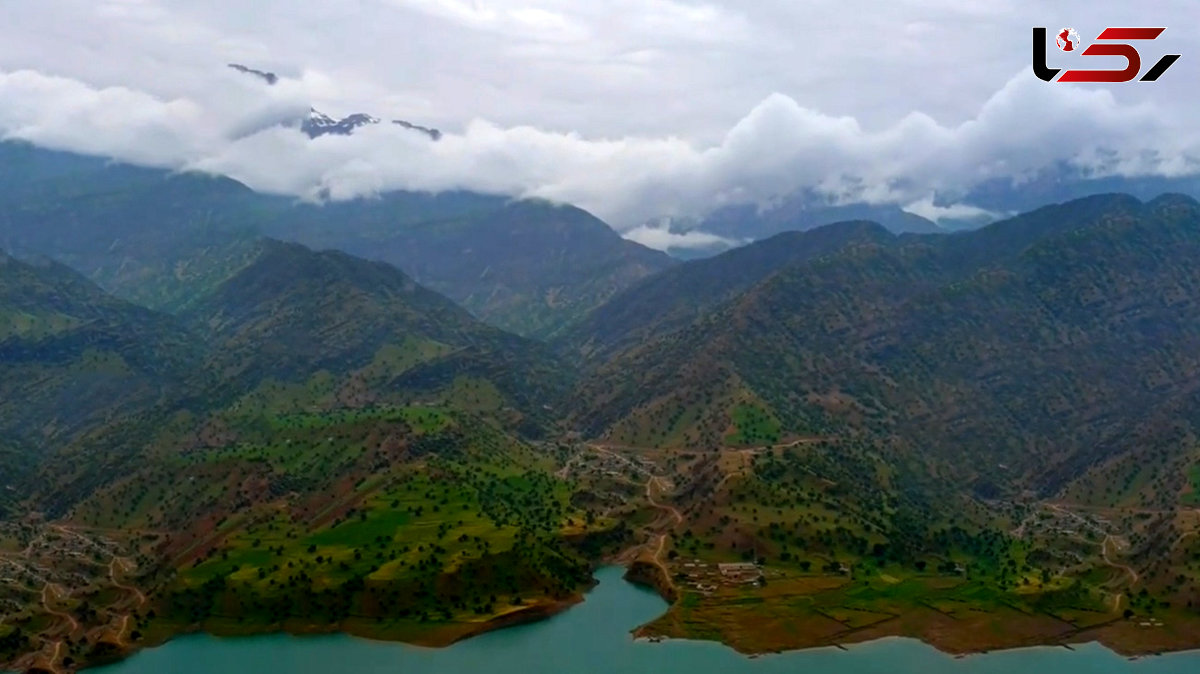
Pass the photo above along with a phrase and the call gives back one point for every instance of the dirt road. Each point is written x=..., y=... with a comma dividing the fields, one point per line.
x=1133, y=575
x=675, y=516
x=112, y=576
x=670, y=509
x=46, y=590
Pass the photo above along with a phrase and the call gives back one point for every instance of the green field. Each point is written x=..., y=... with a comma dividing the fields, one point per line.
x=1192, y=497
x=753, y=425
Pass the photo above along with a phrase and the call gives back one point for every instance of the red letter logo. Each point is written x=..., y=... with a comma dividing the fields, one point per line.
x=1068, y=40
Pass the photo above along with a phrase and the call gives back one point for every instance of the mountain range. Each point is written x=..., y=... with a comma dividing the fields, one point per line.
x=815, y=329
x=1027, y=353
x=407, y=414
x=95, y=374
x=738, y=224
x=158, y=238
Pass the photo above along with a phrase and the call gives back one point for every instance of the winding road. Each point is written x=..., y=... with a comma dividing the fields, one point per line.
x=112, y=576
x=1104, y=553
x=662, y=536
x=53, y=664
x=58, y=614
x=670, y=509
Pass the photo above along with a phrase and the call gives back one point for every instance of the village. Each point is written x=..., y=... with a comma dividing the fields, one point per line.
x=706, y=577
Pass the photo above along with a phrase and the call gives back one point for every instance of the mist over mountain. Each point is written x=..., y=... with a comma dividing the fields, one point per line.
x=318, y=124
x=161, y=238
x=268, y=77
x=731, y=226
x=239, y=127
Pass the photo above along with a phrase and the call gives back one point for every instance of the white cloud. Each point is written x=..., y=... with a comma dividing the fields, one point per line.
x=662, y=238
x=926, y=208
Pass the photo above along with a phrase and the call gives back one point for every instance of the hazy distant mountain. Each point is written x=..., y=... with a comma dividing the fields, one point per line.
x=163, y=239
x=799, y=212
x=1063, y=182
x=318, y=124
x=528, y=266
x=985, y=203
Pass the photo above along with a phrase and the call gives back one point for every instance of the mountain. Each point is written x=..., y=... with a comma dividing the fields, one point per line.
x=530, y=267
x=290, y=331
x=72, y=357
x=433, y=134
x=74, y=362
x=741, y=223
x=156, y=238
x=369, y=332
x=163, y=239
x=673, y=298
x=353, y=440
x=318, y=124
x=293, y=331
x=1063, y=182
x=1023, y=353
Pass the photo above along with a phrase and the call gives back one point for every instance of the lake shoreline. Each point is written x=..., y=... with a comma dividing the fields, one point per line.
x=441, y=637
x=1125, y=637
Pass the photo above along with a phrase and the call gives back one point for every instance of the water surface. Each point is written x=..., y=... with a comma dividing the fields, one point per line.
x=593, y=638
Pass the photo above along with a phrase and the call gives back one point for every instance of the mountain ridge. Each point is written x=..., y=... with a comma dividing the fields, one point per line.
x=159, y=239
x=683, y=292
x=882, y=323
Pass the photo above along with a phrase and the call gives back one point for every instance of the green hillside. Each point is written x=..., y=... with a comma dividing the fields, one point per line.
x=1034, y=347
x=674, y=298
x=72, y=357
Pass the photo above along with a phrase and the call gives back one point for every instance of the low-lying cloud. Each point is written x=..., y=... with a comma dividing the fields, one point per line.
x=234, y=128
x=657, y=234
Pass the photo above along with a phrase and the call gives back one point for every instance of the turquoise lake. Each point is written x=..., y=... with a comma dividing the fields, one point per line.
x=593, y=637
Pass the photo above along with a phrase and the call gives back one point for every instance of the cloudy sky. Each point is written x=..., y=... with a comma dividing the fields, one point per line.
x=630, y=108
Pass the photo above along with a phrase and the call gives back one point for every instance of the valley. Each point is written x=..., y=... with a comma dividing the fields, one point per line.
x=984, y=440
x=444, y=538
